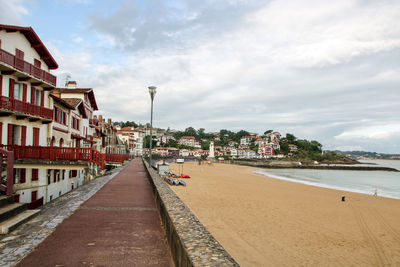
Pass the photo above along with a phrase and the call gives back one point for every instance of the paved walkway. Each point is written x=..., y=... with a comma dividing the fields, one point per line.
x=117, y=226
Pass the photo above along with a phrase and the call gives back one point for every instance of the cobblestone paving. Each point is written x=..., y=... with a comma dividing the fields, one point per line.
x=20, y=242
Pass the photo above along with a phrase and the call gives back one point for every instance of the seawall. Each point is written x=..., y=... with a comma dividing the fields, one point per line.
x=190, y=242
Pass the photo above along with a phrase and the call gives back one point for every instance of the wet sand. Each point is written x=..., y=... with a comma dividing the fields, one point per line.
x=262, y=221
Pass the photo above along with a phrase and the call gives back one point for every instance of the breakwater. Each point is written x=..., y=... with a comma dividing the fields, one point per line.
x=296, y=165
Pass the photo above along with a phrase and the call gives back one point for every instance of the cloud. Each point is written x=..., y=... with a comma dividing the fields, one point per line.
x=374, y=132
x=324, y=70
x=13, y=12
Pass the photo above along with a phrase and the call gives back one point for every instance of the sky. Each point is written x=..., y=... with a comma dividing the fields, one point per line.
x=321, y=70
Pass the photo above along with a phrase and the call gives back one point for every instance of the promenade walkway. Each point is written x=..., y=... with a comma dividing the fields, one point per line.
x=117, y=226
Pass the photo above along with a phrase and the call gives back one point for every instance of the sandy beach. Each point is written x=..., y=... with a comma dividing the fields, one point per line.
x=268, y=222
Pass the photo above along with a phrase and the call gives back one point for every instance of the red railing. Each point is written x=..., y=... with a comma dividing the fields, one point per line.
x=26, y=67
x=8, y=187
x=65, y=154
x=25, y=107
x=117, y=157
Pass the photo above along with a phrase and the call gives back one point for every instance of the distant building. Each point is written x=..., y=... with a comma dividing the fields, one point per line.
x=292, y=148
x=189, y=141
x=246, y=140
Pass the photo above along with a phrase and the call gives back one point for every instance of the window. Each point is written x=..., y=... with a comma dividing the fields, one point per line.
x=17, y=91
x=74, y=173
x=48, y=176
x=60, y=116
x=37, y=97
x=35, y=174
x=56, y=176
x=19, y=176
x=16, y=135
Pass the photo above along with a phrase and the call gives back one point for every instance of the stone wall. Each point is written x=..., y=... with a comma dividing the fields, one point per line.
x=190, y=242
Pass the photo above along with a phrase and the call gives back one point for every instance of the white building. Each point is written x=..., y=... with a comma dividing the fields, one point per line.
x=246, y=140
x=189, y=141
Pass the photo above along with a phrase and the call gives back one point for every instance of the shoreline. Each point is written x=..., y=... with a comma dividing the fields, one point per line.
x=346, y=189
x=316, y=167
x=270, y=222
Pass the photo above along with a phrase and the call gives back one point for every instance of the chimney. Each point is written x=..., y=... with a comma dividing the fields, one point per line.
x=71, y=85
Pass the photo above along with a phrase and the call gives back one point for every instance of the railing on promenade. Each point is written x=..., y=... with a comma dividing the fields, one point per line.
x=26, y=67
x=25, y=107
x=117, y=157
x=9, y=183
x=52, y=153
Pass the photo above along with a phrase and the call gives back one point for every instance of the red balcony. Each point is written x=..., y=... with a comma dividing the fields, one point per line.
x=26, y=67
x=65, y=154
x=25, y=107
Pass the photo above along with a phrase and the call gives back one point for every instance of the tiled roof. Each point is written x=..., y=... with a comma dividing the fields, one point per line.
x=73, y=101
x=62, y=102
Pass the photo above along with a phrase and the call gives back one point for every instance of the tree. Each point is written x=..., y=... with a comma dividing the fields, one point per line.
x=190, y=131
x=267, y=132
x=201, y=133
x=291, y=138
x=240, y=134
x=146, y=141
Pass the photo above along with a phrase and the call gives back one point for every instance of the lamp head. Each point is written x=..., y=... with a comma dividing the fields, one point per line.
x=152, y=91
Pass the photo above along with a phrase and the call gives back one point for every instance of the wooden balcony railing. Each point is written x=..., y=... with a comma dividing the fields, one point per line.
x=25, y=107
x=26, y=67
x=65, y=154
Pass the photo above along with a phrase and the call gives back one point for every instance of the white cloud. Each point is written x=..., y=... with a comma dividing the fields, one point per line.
x=325, y=70
x=12, y=12
x=371, y=132
x=78, y=40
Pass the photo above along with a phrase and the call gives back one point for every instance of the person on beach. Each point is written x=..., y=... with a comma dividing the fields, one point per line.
x=376, y=192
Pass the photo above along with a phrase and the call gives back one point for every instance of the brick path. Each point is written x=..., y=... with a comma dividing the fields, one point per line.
x=118, y=226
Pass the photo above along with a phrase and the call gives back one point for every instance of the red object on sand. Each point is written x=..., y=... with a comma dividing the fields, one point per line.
x=185, y=176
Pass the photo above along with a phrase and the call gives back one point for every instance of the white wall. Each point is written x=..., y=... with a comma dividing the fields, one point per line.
x=12, y=40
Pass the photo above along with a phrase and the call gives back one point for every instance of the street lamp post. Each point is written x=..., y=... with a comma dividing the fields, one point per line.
x=152, y=91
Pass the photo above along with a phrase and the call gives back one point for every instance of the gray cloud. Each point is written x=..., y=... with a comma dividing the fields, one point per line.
x=321, y=70
x=158, y=24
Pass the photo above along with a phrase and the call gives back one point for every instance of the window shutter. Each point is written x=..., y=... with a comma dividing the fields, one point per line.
x=23, y=176
x=37, y=63
x=42, y=98
x=33, y=95
x=35, y=174
x=19, y=54
x=23, y=135
x=34, y=195
x=36, y=132
x=1, y=84
x=10, y=134
x=25, y=87
x=11, y=91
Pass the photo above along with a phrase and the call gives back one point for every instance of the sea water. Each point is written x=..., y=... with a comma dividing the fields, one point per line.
x=386, y=183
